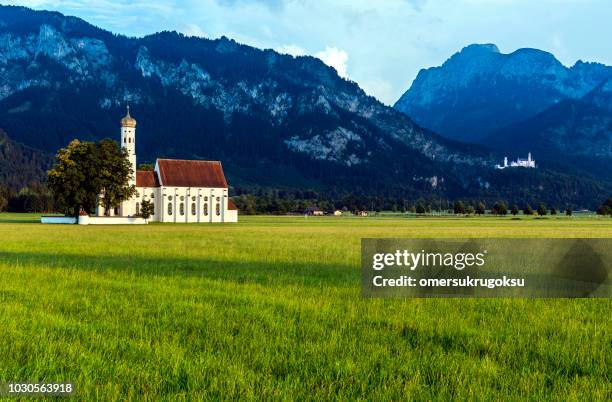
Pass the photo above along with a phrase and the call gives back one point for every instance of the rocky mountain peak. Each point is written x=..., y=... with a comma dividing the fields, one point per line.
x=479, y=89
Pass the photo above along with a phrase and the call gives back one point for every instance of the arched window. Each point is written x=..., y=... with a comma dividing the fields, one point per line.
x=205, y=209
x=152, y=209
x=169, y=209
x=182, y=208
x=218, y=209
x=137, y=208
x=193, y=198
x=124, y=140
x=193, y=208
x=182, y=198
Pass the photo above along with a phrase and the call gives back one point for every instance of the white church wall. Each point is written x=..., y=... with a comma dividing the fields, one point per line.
x=178, y=205
x=231, y=216
x=149, y=194
x=116, y=220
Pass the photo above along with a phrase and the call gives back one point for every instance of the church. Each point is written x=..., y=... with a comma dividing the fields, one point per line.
x=188, y=191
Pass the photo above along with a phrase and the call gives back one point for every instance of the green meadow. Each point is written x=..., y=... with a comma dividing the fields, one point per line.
x=270, y=308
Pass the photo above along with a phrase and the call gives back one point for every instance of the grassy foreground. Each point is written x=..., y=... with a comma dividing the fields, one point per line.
x=271, y=308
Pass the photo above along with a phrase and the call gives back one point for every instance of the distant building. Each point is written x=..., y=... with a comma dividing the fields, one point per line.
x=313, y=211
x=524, y=163
x=362, y=213
x=337, y=212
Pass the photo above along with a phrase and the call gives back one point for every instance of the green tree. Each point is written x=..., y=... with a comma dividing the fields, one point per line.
x=113, y=175
x=514, y=210
x=459, y=207
x=146, y=166
x=606, y=207
x=469, y=209
x=542, y=209
x=420, y=208
x=553, y=211
x=3, y=202
x=528, y=210
x=480, y=208
x=73, y=178
x=568, y=212
x=146, y=209
x=499, y=208
x=85, y=171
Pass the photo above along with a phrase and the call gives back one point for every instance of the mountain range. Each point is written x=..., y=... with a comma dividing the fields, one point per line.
x=525, y=101
x=274, y=120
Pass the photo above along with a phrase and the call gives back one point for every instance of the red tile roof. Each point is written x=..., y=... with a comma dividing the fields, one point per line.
x=146, y=178
x=231, y=206
x=186, y=173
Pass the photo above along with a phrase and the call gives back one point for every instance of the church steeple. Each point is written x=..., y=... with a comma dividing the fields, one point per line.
x=128, y=140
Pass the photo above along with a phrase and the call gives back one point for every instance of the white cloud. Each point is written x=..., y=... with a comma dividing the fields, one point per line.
x=193, y=30
x=336, y=58
x=332, y=56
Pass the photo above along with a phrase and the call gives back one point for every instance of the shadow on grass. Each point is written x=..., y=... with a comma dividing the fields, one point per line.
x=260, y=272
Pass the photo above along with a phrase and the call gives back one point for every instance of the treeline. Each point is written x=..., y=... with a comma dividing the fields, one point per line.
x=35, y=197
x=501, y=208
x=290, y=201
x=262, y=201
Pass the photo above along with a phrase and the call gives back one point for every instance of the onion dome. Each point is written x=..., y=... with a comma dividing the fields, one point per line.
x=128, y=121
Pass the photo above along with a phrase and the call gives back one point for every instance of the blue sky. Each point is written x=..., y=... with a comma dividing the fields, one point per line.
x=380, y=44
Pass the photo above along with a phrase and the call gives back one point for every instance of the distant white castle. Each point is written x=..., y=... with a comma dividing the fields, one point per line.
x=525, y=163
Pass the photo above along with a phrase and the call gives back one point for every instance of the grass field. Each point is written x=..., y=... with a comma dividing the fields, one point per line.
x=271, y=308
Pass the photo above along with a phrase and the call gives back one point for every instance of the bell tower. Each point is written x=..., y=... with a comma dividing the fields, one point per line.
x=128, y=140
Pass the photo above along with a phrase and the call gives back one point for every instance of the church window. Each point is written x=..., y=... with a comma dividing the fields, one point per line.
x=205, y=209
x=169, y=209
x=170, y=198
x=182, y=208
x=137, y=208
x=182, y=198
x=124, y=140
x=152, y=195
x=193, y=208
x=206, y=199
x=218, y=209
x=193, y=198
x=218, y=199
x=116, y=211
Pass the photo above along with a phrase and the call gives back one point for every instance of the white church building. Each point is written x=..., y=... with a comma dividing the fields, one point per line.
x=180, y=190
